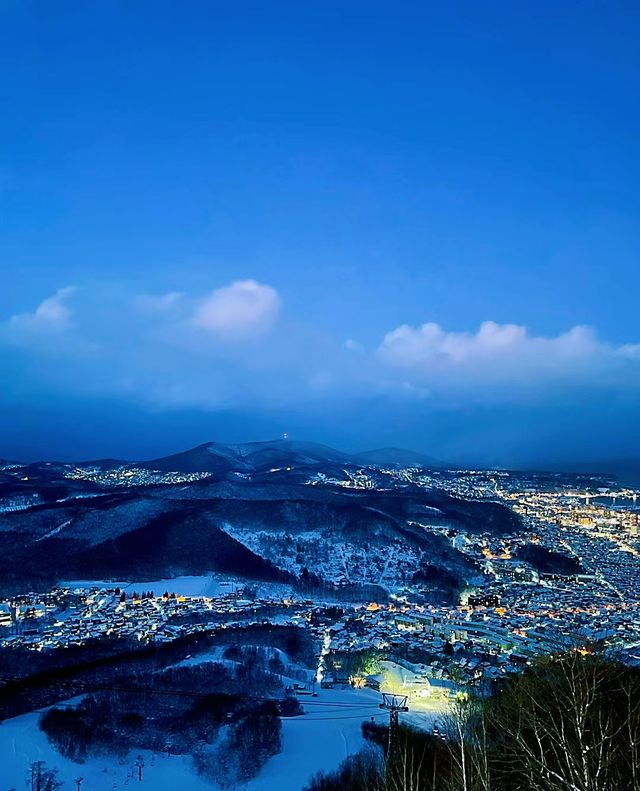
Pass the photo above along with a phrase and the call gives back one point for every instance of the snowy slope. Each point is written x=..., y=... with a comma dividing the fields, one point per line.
x=329, y=730
x=22, y=742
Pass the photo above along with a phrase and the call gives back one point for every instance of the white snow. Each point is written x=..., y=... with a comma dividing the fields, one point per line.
x=54, y=531
x=320, y=740
x=22, y=742
x=206, y=585
x=329, y=730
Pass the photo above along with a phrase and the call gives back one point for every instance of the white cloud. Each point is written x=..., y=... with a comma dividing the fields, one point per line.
x=141, y=346
x=506, y=355
x=52, y=314
x=242, y=309
x=430, y=344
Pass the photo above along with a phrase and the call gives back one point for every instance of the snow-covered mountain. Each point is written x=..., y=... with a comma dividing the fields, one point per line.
x=253, y=456
x=284, y=510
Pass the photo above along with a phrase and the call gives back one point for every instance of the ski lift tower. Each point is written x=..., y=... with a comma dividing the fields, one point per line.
x=394, y=704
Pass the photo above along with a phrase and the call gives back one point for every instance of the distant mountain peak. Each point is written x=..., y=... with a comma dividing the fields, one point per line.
x=219, y=458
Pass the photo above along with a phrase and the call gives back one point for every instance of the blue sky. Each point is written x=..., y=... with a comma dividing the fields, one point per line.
x=365, y=223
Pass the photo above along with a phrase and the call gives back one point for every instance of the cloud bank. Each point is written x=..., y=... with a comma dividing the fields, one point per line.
x=235, y=347
x=198, y=339
x=506, y=354
x=431, y=346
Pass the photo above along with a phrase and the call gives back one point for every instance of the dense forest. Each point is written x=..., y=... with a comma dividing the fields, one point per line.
x=31, y=680
x=548, y=561
x=225, y=714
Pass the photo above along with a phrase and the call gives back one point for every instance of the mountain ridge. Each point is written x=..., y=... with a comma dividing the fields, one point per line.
x=257, y=456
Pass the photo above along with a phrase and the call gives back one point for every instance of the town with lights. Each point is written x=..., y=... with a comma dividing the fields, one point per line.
x=570, y=578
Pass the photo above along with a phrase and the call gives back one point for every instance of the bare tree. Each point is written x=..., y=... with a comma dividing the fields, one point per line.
x=571, y=725
x=43, y=779
x=468, y=742
x=404, y=772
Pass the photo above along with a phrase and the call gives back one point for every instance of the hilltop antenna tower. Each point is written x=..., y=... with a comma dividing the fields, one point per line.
x=394, y=704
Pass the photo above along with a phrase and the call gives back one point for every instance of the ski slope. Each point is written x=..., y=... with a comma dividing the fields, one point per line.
x=328, y=731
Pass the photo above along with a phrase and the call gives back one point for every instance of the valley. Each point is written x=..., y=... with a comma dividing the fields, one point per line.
x=266, y=585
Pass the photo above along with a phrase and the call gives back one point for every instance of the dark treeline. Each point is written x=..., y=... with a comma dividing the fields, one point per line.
x=570, y=723
x=32, y=680
x=183, y=539
x=166, y=540
x=477, y=514
x=203, y=710
x=443, y=585
x=311, y=584
x=548, y=561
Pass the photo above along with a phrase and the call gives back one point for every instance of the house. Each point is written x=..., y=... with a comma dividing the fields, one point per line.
x=5, y=615
x=396, y=677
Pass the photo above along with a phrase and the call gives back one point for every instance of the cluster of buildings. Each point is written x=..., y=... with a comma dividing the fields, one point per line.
x=20, y=502
x=520, y=609
x=131, y=476
x=517, y=610
x=598, y=527
x=497, y=633
x=67, y=617
x=353, y=479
